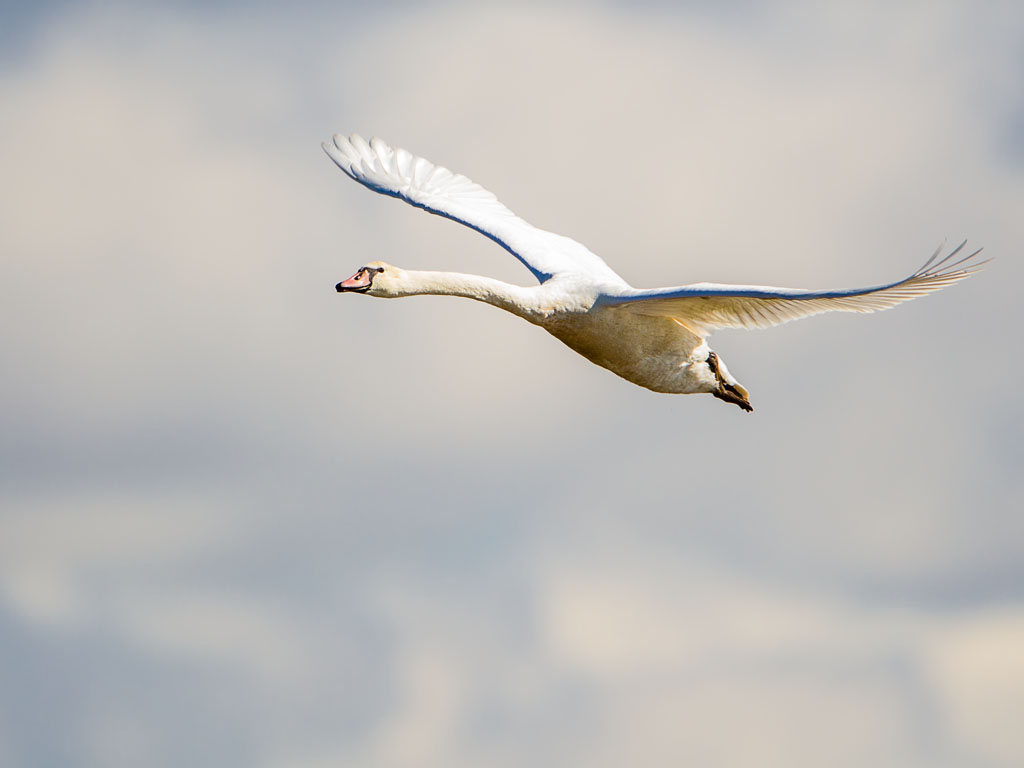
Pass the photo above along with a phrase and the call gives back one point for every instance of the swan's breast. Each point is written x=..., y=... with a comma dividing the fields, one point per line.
x=654, y=352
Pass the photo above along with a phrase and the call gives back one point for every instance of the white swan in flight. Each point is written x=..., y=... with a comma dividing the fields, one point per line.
x=655, y=338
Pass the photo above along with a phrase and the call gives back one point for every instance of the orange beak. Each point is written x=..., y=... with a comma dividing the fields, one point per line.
x=359, y=282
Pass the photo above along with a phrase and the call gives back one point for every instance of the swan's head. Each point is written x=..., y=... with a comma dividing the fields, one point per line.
x=375, y=279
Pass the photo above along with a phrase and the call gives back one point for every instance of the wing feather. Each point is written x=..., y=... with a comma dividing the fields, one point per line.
x=437, y=190
x=708, y=306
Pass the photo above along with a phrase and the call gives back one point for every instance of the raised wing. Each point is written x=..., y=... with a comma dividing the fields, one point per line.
x=437, y=190
x=703, y=307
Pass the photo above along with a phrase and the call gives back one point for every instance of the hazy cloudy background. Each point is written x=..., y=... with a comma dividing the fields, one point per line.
x=249, y=522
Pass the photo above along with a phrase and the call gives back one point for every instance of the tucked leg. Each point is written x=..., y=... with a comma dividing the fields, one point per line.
x=729, y=390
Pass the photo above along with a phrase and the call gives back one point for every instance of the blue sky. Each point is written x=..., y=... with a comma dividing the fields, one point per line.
x=247, y=521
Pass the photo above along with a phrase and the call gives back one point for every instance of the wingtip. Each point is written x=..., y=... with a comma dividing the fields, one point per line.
x=333, y=151
x=947, y=266
x=336, y=150
x=348, y=145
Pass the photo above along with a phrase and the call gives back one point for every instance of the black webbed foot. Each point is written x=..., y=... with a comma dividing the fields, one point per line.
x=729, y=391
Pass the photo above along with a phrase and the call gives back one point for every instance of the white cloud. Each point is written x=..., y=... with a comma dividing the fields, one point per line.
x=514, y=556
x=665, y=660
x=229, y=631
x=977, y=667
x=55, y=546
x=678, y=658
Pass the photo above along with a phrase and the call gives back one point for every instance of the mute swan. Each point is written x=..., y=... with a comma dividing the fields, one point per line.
x=655, y=338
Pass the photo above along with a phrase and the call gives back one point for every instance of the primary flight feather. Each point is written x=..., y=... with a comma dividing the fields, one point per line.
x=655, y=338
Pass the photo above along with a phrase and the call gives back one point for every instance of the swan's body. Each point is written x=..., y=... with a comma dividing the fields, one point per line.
x=654, y=338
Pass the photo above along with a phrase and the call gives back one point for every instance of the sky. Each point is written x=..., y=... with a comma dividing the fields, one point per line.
x=245, y=521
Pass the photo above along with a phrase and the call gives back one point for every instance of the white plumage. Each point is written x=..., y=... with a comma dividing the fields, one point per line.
x=654, y=338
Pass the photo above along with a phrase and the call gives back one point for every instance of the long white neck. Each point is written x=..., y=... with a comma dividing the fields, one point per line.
x=512, y=298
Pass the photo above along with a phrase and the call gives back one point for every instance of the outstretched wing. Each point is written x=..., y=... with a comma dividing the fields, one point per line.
x=435, y=189
x=703, y=307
